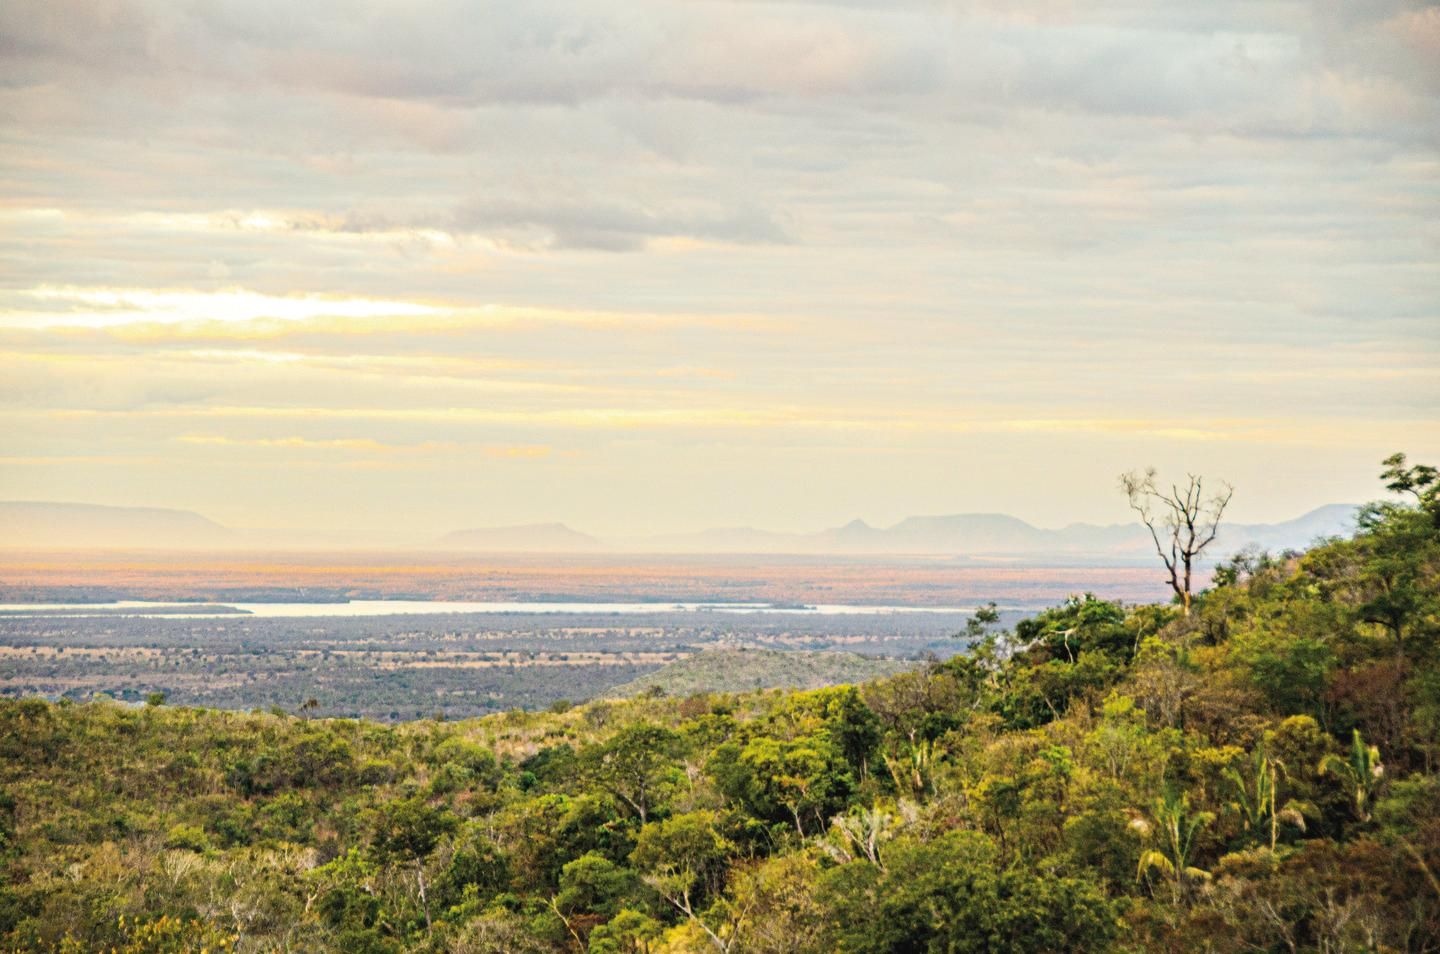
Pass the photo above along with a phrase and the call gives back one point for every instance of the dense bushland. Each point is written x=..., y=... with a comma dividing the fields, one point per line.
x=1262, y=775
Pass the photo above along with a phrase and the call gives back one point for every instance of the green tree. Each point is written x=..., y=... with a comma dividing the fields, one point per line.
x=638, y=764
x=593, y=884
x=803, y=779
x=629, y=932
x=684, y=859
x=980, y=623
x=477, y=869
x=1419, y=480
x=408, y=831
x=773, y=906
x=953, y=895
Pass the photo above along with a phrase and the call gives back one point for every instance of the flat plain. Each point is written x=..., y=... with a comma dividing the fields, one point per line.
x=58, y=576
x=457, y=665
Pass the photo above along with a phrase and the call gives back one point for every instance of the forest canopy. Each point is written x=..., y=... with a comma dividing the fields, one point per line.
x=1262, y=774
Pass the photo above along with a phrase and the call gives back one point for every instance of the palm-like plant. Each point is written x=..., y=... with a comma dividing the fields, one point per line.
x=861, y=833
x=1361, y=770
x=1176, y=826
x=1256, y=793
x=913, y=776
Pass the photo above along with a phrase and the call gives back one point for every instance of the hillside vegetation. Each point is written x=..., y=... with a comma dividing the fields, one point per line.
x=1260, y=775
x=744, y=668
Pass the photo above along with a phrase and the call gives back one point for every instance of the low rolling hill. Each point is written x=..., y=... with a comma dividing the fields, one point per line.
x=48, y=525
x=741, y=668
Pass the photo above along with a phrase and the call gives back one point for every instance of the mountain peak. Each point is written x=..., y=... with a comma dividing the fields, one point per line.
x=49, y=524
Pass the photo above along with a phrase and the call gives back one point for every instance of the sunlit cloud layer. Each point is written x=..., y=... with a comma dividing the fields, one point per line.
x=107, y=308
x=647, y=266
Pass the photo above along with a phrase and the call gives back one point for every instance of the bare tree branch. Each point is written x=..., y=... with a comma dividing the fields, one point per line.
x=1186, y=519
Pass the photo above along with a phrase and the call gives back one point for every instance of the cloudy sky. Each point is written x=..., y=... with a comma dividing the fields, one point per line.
x=644, y=267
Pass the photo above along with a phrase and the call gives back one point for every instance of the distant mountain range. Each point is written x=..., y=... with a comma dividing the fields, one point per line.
x=1001, y=535
x=970, y=534
x=45, y=525
x=975, y=535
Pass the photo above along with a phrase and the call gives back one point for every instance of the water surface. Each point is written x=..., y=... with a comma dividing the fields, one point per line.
x=131, y=608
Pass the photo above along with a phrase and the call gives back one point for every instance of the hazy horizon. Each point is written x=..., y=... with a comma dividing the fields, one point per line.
x=53, y=527
x=380, y=529
x=648, y=268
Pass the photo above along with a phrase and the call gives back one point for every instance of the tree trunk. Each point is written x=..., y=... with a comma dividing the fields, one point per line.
x=1185, y=596
x=424, y=902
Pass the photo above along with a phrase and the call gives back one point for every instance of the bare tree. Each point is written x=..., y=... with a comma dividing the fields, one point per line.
x=1182, y=521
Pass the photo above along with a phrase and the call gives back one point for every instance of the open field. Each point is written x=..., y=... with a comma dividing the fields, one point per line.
x=320, y=577
x=405, y=667
x=463, y=664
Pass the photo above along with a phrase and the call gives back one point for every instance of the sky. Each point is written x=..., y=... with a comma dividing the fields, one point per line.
x=652, y=267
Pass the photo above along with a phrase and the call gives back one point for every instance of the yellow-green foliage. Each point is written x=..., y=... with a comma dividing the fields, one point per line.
x=1257, y=776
